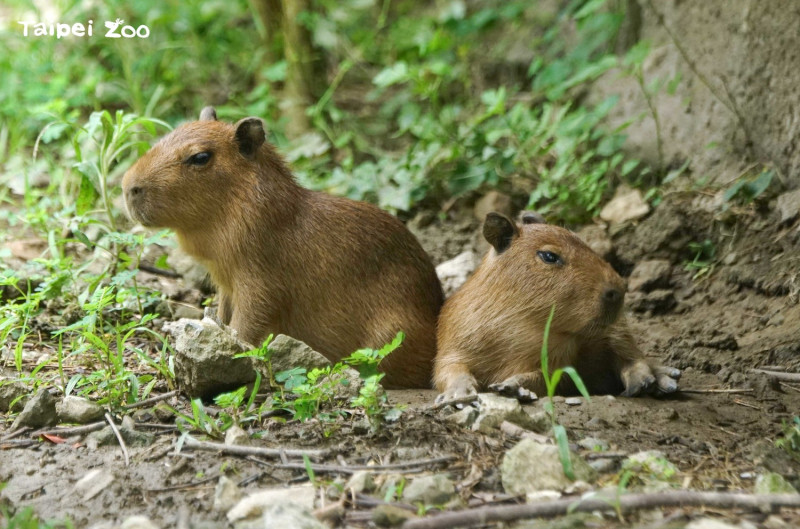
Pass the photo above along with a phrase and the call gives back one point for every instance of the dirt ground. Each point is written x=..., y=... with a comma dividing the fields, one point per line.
x=741, y=313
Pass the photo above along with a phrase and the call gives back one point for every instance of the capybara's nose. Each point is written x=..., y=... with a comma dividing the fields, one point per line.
x=612, y=298
x=133, y=194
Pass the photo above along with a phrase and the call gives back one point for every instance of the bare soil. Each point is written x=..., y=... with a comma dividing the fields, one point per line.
x=740, y=314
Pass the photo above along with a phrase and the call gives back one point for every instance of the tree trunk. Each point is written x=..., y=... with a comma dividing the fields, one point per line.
x=304, y=68
x=269, y=15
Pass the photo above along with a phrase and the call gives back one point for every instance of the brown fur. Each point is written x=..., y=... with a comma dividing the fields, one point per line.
x=335, y=273
x=491, y=330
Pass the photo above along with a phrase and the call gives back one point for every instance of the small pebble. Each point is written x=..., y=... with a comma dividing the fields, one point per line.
x=573, y=401
x=604, y=465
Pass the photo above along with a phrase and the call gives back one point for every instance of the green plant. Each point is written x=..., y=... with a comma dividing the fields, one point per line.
x=99, y=146
x=703, y=262
x=312, y=393
x=445, y=141
x=747, y=189
x=235, y=409
x=650, y=468
x=551, y=381
x=790, y=441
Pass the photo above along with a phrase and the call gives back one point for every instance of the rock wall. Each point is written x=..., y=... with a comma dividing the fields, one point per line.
x=748, y=51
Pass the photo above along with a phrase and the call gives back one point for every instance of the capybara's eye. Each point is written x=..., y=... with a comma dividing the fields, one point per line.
x=201, y=158
x=549, y=257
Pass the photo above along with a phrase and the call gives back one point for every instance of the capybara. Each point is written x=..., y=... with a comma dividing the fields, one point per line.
x=335, y=273
x=491, y=330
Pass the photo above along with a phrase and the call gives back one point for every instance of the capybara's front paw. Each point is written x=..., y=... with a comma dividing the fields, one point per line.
x=640, y=378
x=666, y=379
x=461, y=387
x=518, y=387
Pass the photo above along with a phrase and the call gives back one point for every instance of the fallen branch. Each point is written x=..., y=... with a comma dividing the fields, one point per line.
x=151, y=400
x=16, y=433
x=352, y=469
x=121, y=441
x=712, y=390
x=184, y=486
x=778, y=375
x=71, y=430
x=252, y=450
x=624, y=503
x=17, y=443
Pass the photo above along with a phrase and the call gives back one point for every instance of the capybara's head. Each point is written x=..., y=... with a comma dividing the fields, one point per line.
x=196, y=172
x=541, y=265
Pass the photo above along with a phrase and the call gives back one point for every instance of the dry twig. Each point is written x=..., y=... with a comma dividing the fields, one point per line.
x=121, y=441
x=713, y=390
x=72, y=430
x=253, y=450
x=408, y=466
x=624, y=503
x=779, y=375
x=151, y=400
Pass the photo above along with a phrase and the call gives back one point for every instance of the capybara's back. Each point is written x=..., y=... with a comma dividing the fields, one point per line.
x=336, y=273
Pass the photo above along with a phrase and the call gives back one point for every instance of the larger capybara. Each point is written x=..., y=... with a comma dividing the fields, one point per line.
x=491, y=330
x=335, y=273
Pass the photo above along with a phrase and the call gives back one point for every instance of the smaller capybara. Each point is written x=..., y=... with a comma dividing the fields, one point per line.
x=491, y=330
x=335, y=273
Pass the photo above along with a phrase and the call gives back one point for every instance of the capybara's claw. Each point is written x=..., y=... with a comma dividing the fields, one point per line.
x=461, y=388
x=639, y=386
x=513, y=387
x=666, y=379
x=666, y=371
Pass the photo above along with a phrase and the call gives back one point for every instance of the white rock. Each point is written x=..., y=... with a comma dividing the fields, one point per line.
x=542, y=495
x=464, y=417
x=360, y=482
x=709, y=523
x=493, y=409
x=259, y=502
x=789, y=205
x=594, y=444
x=93, y=483
x=227, y=494
x=289, y=516
x=430, y=490
x=454, y=273
x=626, y=205
x=236, y=436
x=530, y=467
x=138, y=522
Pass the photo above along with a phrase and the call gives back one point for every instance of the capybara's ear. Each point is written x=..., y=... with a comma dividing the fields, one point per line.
x=499, y=230
x=250, y=135
x=532, y=217
x=208, y=114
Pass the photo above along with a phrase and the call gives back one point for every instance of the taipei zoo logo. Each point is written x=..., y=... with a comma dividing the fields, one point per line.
x=116, y=29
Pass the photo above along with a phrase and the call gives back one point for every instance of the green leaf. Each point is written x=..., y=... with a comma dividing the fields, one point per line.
x=309, y=470
x=577, y=380
x=560, y=433
x=87, y=195
x=733, y=190
x=761, y=183
x=396, y=73
x=78, y=234
x=637, y=54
